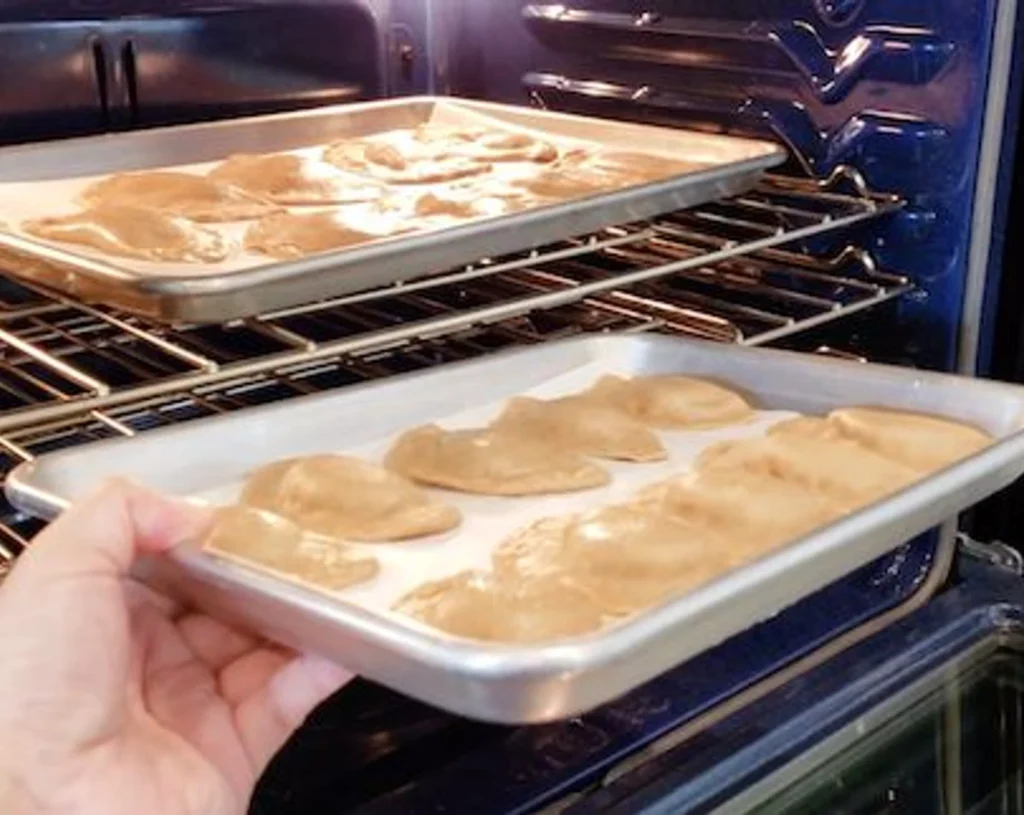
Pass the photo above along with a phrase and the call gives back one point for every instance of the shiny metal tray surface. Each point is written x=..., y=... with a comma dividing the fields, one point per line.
x=533, y=684
x=223, y=292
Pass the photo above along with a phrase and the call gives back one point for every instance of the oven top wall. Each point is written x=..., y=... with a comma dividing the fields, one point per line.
x=77, y=68
x=896, y=90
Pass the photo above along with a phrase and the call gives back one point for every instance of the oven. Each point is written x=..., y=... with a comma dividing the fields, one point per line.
x=884, y=237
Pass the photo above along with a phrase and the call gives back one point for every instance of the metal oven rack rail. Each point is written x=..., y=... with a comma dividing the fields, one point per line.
x=72, y=373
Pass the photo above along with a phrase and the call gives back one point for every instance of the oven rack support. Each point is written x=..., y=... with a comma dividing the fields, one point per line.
x=72, y=372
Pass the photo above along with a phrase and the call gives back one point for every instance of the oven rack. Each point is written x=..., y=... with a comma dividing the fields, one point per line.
x=72, y=373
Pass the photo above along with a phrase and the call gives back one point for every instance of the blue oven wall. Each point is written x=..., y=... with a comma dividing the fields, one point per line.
x=895, y=89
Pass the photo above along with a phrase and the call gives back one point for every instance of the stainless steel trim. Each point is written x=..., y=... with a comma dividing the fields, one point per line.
x=816, y=756
x=989, y=156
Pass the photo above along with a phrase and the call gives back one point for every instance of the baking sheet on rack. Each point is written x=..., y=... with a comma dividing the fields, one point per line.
x=518, y=684
x=21, y=201
x=487, y=521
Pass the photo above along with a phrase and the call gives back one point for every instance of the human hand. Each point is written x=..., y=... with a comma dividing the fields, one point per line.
x=113, y=703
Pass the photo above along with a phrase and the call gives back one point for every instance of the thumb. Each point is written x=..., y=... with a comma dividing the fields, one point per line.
x=102, y=534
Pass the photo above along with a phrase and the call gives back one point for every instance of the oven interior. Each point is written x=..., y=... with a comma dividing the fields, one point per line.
x=866, y=246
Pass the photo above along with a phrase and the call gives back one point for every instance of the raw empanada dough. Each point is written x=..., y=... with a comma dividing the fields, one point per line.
x=584, y=425
x=490, y=463
x=345, y=497
x=478, y=606
x=293, y=180
x=671, y=401
x=926, y=443
x=131, y=232
x=627, y=556
x=387, y=162
x=754, y=512
x=580, y=172
x=467, y=203
x=191, y=196
x=268, y=542
x=287, y=236
x=841, y=470
x=505, y=146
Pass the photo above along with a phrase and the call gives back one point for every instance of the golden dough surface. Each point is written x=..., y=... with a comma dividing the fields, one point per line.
x=425, y=164
x=626, y=556
x=176, y=193
x=917, y=440
x=488, y=462
x=268, y=542
x=287, y=235
x=755, y=512
x=672, y=401
x=131, y=232
x=841, y=470
x=345, y=497
x=477, y=605
x=584, y=425
x=293, y=180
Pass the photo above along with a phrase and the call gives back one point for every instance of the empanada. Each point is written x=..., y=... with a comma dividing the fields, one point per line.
x=842, y=471
x=268, y=542
x=293, y=180
x=345, y=497
x=584, y=425
x=671, y=401
x=132, y=232
x=752, y=511
x=387, y=162
x=927, y=443
x=490, y=463
x=626, y=556
x=288, y=235
x=175, y=193
x=477, y=605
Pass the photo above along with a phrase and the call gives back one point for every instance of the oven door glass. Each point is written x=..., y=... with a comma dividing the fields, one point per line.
x=952, y=743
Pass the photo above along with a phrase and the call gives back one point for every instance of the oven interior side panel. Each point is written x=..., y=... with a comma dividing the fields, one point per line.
x=897, y=91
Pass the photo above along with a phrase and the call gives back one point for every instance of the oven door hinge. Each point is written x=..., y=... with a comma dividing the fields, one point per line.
x=995, y=553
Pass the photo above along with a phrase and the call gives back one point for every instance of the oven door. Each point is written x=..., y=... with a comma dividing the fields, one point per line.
x=926, y=717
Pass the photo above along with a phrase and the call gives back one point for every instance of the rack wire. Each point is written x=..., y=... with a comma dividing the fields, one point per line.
x=71, y=373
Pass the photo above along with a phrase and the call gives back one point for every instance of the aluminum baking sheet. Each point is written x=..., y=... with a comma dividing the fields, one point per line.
x=531, y=683
x=45, y=179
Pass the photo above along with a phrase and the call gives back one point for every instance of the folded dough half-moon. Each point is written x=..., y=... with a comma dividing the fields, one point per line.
x=584, y=425
x=131, y=232
x=291, y=235
x=925, y=442
x=672, y=401
x=489, y=462
x=477, y=605
x=195, y=197
x=843, y=471
x=626, y=556
x=345, y=497
x=293, y=180
x=270, y=543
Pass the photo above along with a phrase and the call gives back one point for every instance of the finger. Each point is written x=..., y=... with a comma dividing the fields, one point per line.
x=268, y=718
x=213, y=642
x=248, y=675
x=102, y=534
x=136, y=594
